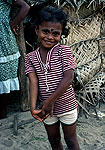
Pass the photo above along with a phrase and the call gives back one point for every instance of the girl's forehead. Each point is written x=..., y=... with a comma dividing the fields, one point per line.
x=52, y=25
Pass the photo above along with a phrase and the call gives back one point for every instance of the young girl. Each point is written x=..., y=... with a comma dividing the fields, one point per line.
x=9, y=52
x=50, y=69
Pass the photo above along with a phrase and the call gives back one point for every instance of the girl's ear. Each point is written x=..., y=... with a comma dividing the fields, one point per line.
x=36, y=30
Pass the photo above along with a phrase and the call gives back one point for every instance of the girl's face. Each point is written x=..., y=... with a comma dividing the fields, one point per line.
x=49, y=34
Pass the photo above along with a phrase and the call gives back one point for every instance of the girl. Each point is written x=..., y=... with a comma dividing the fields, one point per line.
x=50, y=69
x=9, y=52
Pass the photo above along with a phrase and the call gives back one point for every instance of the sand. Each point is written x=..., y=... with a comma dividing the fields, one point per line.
x=31, y=135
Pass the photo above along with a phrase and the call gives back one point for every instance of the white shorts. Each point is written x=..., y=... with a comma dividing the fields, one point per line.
x=67, y=118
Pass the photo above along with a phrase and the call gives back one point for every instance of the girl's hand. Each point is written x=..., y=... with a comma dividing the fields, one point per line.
x=47, y=108
x=14, y=29
x=37, y=114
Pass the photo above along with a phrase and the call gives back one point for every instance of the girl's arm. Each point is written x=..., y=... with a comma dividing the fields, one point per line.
x=23, y=11
x=62, y=87
x=33, y=90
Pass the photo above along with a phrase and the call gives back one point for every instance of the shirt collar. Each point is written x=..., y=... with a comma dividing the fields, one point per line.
x=49, y=54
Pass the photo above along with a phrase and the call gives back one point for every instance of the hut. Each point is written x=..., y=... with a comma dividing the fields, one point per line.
x=87, y=42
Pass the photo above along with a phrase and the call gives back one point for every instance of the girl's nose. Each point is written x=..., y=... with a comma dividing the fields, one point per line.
x=50, y=36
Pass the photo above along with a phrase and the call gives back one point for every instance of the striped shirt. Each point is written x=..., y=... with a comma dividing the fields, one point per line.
x=59, y=59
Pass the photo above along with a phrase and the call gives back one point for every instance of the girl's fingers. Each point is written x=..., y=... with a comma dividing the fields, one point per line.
x=51, y=114
x=43, y=113
x=38, y=118
x=39, y=114
x=45, y=116
x=36, y=111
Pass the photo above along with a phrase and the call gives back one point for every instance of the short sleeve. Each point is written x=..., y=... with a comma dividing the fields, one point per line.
x=67, y=58
x=28, y=65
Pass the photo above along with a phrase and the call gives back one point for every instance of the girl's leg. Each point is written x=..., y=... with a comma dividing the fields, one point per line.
x=3, y=105
x=70, y=136
x=54, y=136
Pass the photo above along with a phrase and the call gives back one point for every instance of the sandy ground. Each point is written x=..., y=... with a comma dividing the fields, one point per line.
x=29, y=134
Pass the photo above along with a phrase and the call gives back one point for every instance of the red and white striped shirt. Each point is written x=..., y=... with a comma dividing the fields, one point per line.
x=59, y=59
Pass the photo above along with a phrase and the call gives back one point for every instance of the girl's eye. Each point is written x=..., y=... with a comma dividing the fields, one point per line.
x=45, y=31
x=56, y=33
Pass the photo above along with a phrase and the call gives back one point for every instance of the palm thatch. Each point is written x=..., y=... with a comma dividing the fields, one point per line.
x=75, y=4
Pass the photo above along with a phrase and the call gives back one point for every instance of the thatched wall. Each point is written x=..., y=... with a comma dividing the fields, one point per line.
x=87, y=43
x=87, y=29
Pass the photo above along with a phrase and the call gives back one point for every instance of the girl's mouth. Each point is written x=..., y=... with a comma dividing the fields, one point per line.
x=49, y=42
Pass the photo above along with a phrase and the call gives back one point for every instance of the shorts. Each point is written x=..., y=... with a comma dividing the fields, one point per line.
x=68, y=118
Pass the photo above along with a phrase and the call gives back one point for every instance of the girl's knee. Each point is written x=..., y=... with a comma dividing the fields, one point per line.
x=54, y=141
x=71, y=142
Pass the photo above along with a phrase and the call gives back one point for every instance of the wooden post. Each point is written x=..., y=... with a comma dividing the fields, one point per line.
x=24, y=91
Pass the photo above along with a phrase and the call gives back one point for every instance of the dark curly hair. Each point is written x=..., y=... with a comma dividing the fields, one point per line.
x=52, y=14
